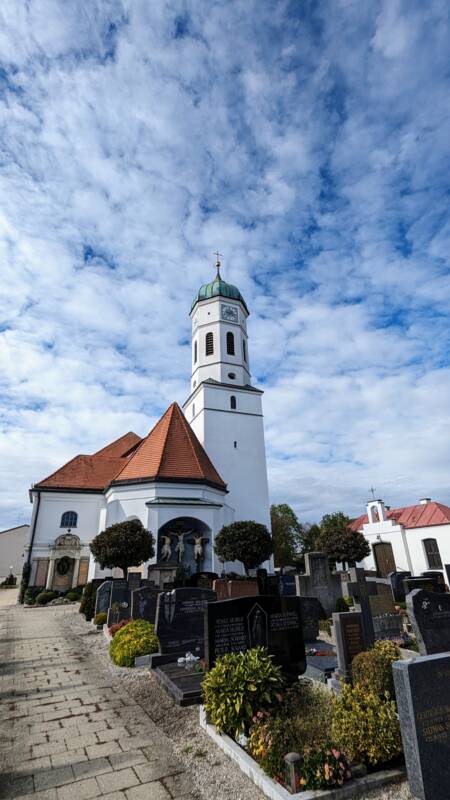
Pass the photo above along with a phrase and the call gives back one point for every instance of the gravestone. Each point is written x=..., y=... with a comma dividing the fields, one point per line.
x=102, y=598
x=398, y=589
x=220, y=586
x=381, y=602
x=429, y=614
x=120, y=597
x=134, y=580
x=387, y=625
x=429, y=584
x=319, y=582
x=242, y=589
x=287, y=585
x=272, y=622
x=447, y=572
x=439, y=576
x=422, y=689
x=349, y=636
x=321, y=662
x=180, y=625
x=359, y=590
x=202, y=580
x=310, y=610
x=143, y=603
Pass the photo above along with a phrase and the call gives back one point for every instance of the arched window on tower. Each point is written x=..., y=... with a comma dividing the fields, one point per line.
x=230, y=343
x=195, y=351
x=69, y=519
x=233, y=402
x=209, y=344
x=244, y=350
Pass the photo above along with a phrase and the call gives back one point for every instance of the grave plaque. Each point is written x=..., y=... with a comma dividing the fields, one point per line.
x=310, y=609
x=143, y=603
x=180, y=625
x=429, y=584
x=429, y=614
x=102, y=598
x=349, y=635
x=265, y=621
x=387, y=625
x=319, y=582
x=398, y=589
x=422, y=688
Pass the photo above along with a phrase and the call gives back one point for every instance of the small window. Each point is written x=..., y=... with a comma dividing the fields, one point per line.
x=230, y=344
x=432, y=554
x=193, y=409
x=244, y=350
x=232, y=375
x=209, y=344
x=235, y=445
x=232, y=402
x=195, y=352
x=69, y=519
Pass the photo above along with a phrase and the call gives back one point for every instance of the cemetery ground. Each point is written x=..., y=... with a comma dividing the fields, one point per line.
x=72, y=725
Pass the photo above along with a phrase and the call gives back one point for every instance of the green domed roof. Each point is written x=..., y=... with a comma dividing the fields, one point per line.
x=219, y=288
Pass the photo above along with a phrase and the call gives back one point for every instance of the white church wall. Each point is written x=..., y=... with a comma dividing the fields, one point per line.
x=51, y=508
x=386, y=532
x=408, y=544
x=415, y=538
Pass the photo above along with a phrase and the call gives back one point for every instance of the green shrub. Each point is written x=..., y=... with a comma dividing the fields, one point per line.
x=26, y=572
x=372, y=669
x=100, y=618
x=72, y=595
x=366, y=727
x=135, y=639
x=87, y=605
x=325, y=626
x=341, y=605
x=238, y=686
x=44, y=597
x=30, y=595
x=349, y=601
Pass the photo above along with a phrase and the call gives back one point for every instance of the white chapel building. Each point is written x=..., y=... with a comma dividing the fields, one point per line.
x=198, y=469
x=412, y=538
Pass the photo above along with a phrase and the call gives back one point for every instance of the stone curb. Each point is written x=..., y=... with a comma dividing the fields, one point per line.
x=358, y=787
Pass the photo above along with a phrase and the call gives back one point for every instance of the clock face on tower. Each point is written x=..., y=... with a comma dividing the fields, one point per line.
x=229, y=313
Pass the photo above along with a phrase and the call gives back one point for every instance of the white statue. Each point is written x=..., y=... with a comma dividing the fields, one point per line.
x=198, y=547
x=166, y=549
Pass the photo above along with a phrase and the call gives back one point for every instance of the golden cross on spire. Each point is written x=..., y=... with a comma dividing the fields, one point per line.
x=218, y=257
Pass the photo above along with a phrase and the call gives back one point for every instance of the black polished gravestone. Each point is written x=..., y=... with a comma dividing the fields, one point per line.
x=180, y=625
x=102, y=598
x=359, y=589
x=119, y=604
x=439, y=576
x=243, y=623
x=349, y=636
x=311, y=613
x=429, y=614
x=286, y=585
x=422, y=689
x=429, y=584
x=143, y=603
x=202, y=580
x=398, y=590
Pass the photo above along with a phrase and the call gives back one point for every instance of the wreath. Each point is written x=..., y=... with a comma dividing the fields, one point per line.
x=63, y=565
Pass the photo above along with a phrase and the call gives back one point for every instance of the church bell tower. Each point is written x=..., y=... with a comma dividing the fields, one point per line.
x=224, y=409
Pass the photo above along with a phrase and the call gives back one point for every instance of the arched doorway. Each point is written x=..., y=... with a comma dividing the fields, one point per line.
x=65, y=566
x=185, y=542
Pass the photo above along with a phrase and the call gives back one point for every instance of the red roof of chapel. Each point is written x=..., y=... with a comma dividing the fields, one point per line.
x=422, y=515
x=170, y=451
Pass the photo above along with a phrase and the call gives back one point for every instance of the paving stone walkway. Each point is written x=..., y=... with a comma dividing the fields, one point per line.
x=66, y=732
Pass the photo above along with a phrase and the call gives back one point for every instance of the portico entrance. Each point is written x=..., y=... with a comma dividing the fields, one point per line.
x=67, y=568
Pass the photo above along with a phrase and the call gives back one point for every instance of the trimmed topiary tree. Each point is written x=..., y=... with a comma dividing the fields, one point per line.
x=340, y=542
x=123, y=545
x=247, y=541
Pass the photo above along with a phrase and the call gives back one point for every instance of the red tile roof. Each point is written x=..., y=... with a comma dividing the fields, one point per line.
x=418, y=516
x=170, y=451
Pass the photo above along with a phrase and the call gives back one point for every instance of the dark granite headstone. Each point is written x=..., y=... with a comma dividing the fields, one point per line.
x=319, y=582
x=120, y=602
x=96, y=582
x=183, y=682
x=180, y=625
x=321, y=661
x=311, y=611
x=429, y=614
x=349, y=636
x=387, y=626
x=220, y=586
x=243, y=589
x=143, y=603
x=447, y=572
x=359, y=590
x=439, y=576
x=102, y=598
x=271, y=622
x=429, y=584
x=398, y=590
x=202, y=580
x=286, y=585
x=134, y=580
x=422, y=689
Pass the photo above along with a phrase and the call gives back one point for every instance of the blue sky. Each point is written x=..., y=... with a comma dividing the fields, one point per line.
x=308, y=142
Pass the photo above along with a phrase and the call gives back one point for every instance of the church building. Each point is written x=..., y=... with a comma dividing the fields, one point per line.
x=199, y=468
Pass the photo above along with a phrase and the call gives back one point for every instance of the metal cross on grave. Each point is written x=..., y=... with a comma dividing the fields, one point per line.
x=359, y=590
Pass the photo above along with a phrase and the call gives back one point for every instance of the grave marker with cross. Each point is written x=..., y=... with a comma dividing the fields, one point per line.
x=359, y=589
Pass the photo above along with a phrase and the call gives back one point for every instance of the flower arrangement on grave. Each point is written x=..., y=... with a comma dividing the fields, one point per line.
x=323, y=769
x=137, y=638
x=117, y=626
x=238, y=686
